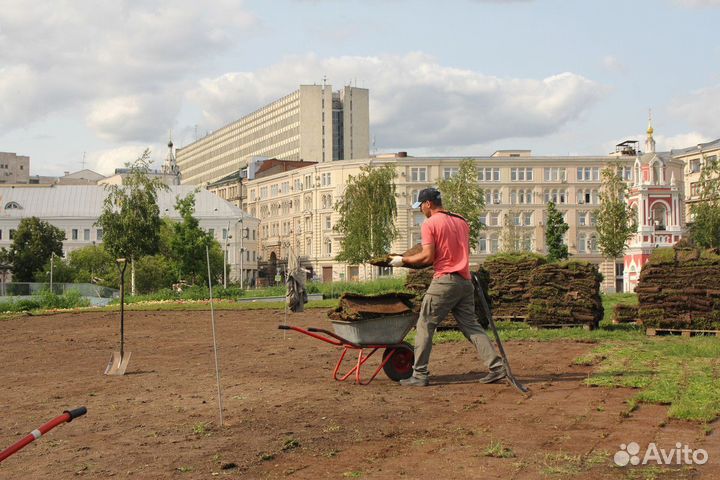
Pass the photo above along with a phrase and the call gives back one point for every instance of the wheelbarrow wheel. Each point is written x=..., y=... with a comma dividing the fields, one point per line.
x=400, y=364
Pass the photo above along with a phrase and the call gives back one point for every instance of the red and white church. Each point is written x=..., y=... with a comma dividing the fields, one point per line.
x=656, y=194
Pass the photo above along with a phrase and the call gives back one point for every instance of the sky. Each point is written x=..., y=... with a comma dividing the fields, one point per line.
x=91, y=84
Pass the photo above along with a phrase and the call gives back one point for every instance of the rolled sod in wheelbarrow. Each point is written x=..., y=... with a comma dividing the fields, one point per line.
x=355, y=307
x=384, y=261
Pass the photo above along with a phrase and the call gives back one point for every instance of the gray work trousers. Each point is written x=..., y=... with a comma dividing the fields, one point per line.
x=451, y=293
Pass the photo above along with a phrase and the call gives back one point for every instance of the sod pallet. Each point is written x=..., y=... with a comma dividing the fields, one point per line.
x=564, y=294
x=679, y=288
x=509, y=278
x=659, y=332
x=625, y=313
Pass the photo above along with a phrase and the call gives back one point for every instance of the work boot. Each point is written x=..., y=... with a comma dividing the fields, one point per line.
x=493, y=376
x=414, y=382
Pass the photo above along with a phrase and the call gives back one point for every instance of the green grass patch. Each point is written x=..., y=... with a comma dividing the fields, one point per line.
x=683, y=373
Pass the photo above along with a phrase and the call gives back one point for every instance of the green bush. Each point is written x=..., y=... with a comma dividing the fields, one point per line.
x=45, y=300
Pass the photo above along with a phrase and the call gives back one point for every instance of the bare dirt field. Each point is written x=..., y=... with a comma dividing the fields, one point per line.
x=286, y=418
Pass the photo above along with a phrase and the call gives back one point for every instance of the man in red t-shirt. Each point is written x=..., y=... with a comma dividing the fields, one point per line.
x=446, y=244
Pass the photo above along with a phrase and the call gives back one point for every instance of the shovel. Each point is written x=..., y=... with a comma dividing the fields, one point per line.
x=508, y=373
x=119, y=360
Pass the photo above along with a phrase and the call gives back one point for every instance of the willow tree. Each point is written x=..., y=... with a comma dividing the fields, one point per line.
x=462, y=194
x=130, y=217
x=616, y=221
x=705, y=227
x=367, y=212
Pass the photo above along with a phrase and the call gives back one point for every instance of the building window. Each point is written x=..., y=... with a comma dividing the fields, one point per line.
x=482, y=244
x=211, y=232
x=12, y=234
x=527, y=219
x=273, y=190
x=521, y=174
x=418, y=219
x=308, y=181
x=99, y=234
x=489, y=174
x=494, y=244
x=328, y=247
x=494, y=219
x=328, y=222
x=493, y=197
x=588, y=174
x=517, y=219
x=582, y=243
x=326, y=179
x=582, y=219
x=449, y=172
x=418, y=174
x=554, y=174
x=86, y=234
x=74, y=234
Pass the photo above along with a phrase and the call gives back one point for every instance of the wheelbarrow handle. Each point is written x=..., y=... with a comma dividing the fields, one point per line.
x=67, y=416
x=75, y=413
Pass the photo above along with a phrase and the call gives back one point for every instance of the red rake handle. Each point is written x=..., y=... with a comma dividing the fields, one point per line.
x=67, y=416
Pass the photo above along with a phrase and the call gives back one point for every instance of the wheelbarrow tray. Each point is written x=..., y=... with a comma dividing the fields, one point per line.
x=385, y=330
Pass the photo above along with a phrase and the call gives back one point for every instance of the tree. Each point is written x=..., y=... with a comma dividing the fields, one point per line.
x=155, y=272
x=367, y=214
x=555, y=230
x=34, y=242
x=509, y=235
x=130, y=217
x=616, y=221
x=93, y=264
x=461, y=194
x=187, y=244
x=705, y=227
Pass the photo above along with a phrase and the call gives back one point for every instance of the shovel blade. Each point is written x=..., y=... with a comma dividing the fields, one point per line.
x=118, y=363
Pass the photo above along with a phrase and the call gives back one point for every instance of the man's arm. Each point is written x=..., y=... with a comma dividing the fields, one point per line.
x=425, y=257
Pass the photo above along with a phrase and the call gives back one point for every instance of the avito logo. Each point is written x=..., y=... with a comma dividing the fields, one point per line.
x=680, y=455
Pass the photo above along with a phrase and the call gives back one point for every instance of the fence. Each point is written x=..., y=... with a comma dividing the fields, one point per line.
x=26, y=289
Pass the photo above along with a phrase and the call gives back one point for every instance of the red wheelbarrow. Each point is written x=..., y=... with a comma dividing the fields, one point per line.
x=367, y=337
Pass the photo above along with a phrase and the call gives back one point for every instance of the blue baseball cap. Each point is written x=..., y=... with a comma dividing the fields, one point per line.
x=426, y=194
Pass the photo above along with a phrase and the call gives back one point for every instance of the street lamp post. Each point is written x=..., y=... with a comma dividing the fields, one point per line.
x=225, y=256
x=52, y=257
x=242, y=252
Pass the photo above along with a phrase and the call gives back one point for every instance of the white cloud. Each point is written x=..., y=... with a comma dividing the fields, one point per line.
x=414, y=101
x=142, y=117
x=60, y=54
x=700, y=110
x=681, y=140
x=106, y=161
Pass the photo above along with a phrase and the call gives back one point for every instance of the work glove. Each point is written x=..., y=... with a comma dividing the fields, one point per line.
x=396, y=261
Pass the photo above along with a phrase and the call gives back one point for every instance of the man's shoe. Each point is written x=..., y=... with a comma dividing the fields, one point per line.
x=414, y=382
x=493, y=376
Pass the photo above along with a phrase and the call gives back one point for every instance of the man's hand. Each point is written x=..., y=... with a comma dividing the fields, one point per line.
x=396, y=261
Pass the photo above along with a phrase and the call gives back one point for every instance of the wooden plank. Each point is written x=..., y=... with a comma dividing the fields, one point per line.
x=565, y=325
x=684, y=332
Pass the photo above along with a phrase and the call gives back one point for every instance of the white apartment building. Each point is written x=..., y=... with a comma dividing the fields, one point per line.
x=313, y=123
x=695, y=158
x=74, y=209
x=295, y=208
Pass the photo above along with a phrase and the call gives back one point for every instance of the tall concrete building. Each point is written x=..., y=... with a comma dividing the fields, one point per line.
x=313, y=124
x=695, y=159
x=14, y=168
